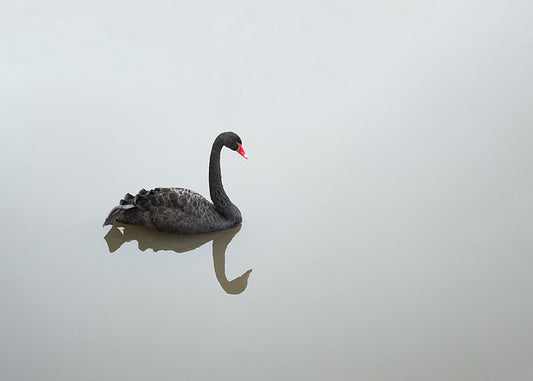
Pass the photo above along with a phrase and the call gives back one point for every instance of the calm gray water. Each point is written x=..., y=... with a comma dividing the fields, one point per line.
x=387, y=199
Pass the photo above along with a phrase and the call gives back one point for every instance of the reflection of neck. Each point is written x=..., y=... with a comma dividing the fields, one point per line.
x=220, y=243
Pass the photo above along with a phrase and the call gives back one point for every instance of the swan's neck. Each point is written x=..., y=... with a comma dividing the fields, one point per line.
x=216, y=189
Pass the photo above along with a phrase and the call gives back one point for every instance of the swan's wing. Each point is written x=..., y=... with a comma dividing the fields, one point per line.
x=182, y=201
x=175, y=210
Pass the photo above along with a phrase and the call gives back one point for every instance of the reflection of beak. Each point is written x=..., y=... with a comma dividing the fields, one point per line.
x=246, y=274
x=241, y=152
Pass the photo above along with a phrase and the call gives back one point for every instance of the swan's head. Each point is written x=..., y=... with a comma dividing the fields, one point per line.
x=233, y=142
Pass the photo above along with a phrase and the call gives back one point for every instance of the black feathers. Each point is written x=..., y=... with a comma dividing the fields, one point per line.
x=180, y=210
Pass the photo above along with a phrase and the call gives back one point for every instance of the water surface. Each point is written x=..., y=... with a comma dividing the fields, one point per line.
x=386, y=201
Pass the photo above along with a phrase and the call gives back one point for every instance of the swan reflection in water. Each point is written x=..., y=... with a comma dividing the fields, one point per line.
x=180, y=243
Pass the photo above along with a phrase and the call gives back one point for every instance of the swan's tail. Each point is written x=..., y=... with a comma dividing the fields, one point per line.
x=126, y=203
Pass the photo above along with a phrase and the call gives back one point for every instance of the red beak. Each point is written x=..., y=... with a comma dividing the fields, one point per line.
x=241, y=152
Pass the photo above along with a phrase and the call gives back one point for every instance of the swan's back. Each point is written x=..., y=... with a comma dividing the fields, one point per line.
x=175, y=210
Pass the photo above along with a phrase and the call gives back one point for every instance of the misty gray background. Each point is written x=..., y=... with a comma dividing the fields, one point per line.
x=386, y=202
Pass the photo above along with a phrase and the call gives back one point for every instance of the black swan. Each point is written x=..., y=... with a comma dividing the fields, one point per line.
x=179, y=210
